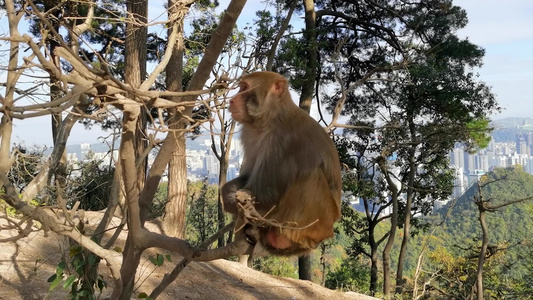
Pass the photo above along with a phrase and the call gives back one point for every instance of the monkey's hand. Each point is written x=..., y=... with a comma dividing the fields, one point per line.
x=246, y=210
x=245, y=200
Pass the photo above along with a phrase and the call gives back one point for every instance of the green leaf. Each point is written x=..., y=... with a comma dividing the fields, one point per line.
x=51, y=278
x=74, y=250
x=92, y=259
x=157, y=260
x=78, y=265
x=70, y=280
x=160, y=259
x=55, y=283
x=61, y=267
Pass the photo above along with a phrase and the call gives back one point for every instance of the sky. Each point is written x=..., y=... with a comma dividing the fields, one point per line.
x=503, y=28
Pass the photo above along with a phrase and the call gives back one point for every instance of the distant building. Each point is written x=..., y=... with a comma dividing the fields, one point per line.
x=482, y=162
x=200, y=160
x=474, y=176
x=470, y=162
x=211, y=165
x=85, y=150
x=458, y=158
x=460, y=183
x=72, y=157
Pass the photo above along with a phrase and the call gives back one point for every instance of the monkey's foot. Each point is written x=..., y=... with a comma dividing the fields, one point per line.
x=252, y=234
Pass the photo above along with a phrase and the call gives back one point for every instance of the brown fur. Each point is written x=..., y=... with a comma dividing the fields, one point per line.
x=290, y=163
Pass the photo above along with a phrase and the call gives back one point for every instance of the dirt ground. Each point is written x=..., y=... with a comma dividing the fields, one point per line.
x=26, y=265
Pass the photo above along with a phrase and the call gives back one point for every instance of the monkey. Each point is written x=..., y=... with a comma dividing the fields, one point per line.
x=290, y=166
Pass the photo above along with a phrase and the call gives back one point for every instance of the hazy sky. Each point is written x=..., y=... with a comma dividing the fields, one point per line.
x=503, y=28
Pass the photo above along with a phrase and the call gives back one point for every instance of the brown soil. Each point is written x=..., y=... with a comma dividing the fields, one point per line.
x=26, y=265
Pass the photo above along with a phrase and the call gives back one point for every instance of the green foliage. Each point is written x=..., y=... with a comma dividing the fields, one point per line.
x=277, y=266
x=25, y=166
x=479, y=131
x=456, y=275
x=11, y=211
x=93, y=185
x=80, y=284
x=453, y=251
x=144, y=296
x=353, y=275
x=202, y=219
x=160, y=200
x=159, y=259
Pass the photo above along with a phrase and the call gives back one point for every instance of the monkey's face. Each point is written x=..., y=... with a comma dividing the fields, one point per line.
x=239, y=106
x=258, y=96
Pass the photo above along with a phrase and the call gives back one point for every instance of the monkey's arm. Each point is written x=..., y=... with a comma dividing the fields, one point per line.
x=228, y=193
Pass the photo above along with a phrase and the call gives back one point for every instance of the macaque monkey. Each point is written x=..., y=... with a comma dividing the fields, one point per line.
x=290, y=166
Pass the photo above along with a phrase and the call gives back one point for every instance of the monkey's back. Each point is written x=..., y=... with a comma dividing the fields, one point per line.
x=295, y=168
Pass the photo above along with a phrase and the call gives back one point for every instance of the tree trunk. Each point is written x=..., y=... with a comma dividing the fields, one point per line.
x=323, y=264
x=281, y=31
x=308, y=87
x=135, y=70
x=393, y=225
x=226, y=137
x=134, y=74
x=388, y=247
x=403, y=248
x=409, y=201
x=482, y=252
x=373, y=259
x=175, y=209
x=213, y=50
x=132, y=253
x=304, y=262
x=6, y=122
x=304, y=267
x=222, y=179
x=59, y=171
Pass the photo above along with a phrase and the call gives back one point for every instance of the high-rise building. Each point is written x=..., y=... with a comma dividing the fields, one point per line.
x=211, y=165
x=470, y=162
x=523, y=141
x=482, y=162
x=460, y=183
x=492, y=145
x=85, y=149
x=529, y=167
x=458, y=158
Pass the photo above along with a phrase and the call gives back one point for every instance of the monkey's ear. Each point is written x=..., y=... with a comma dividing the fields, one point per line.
x=279, y=87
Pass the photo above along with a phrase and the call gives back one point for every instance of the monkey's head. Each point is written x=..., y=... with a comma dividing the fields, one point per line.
x=260, y=93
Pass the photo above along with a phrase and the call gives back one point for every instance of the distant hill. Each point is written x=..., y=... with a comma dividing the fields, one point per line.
x=509, y=225
x=505, y=185
x=512, y=122
x=505, y=130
